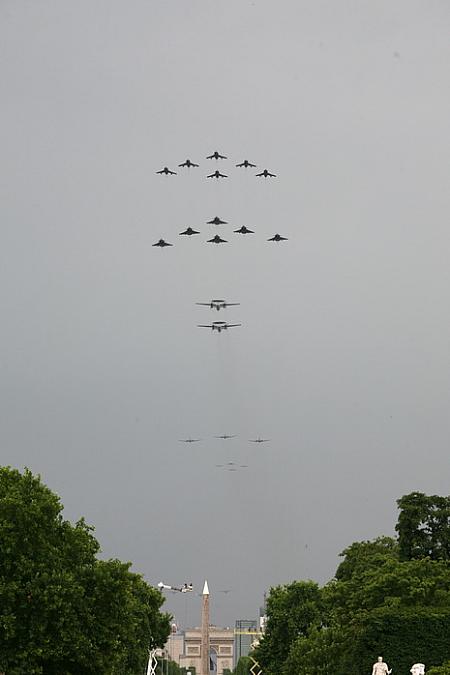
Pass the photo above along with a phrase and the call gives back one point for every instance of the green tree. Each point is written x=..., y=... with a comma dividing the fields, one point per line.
x=243, y=666
x=291, y=611
x=424, y=526
x=63, y=611
x=444, y=669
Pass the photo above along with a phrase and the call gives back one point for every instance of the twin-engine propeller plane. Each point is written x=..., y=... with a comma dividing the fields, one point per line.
x=219, y=326
x=218, y=304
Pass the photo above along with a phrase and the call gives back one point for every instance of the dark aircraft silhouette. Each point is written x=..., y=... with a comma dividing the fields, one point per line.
x=217, y=240
x=244, y=230
x=216, y=155
x=188, y=163
x=167, y=171
x=217, y=174
x=246, y=163
x=218, y=304
x=189, y=440
x=162, y=243
x=217, y=221
x=225, y=437
x=258, y=440
x=190, y=231
x=219, y=326
x=266, y=174
x=277, y=237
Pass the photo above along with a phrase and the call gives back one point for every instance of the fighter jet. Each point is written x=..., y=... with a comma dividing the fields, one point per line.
x=246, y=163
x=218, y=304
x=217, y=174
x=258, y=440
x=162, y=243
x=277, y=237
x=167, y=171
x=225, y=436
x=216, y=155
x=217, y=221
x=190, y=231
x=244, y=230
x=189, y=440
x=188, y=163
x=217, y=240
x=219, y=326
x=266, y=174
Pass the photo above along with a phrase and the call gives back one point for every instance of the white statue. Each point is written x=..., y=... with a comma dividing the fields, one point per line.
x=417, y=669
x=381, y=668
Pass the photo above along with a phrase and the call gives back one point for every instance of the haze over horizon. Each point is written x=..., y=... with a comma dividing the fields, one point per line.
x=342, y=359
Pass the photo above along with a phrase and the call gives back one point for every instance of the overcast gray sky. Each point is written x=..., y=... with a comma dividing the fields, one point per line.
x=343, y=356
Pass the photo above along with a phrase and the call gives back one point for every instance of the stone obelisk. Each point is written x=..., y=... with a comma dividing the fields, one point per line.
x=205, y=631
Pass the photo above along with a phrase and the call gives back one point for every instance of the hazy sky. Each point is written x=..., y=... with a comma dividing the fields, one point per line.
x=343, y=356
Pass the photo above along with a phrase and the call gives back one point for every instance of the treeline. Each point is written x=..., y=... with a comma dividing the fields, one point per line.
x=62, y=610
x=389, y=597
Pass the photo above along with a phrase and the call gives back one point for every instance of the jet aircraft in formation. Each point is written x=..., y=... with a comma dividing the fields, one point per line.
x=162, y=243
x=217, y=240
x=246, y=163
x=216, y=155
x=244, y=230
x=190, y=440
x=218, y=304
x=217, y=221
x=189, y=231
x=188, y=163
x=217, y=174
x=167, y=171
x=259, y=440
x=277, y=237
x=225, y=437
x=266, y=174
x=219, y=326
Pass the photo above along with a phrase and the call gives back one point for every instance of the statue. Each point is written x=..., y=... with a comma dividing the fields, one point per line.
x=417, y=669
x=381, y=668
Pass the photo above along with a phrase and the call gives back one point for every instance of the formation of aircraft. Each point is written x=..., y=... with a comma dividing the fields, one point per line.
x=225, y=437
x=167, y=172
x=246, y=163
x=259, y=440
x=162, y=243
x=217, y=221
x=266, y=174
x=218, y=304
x=189, y=231
x=217, y=174
x=244, y=230
x=219, y=326
x=190, y=440
x=277, y=237
x=188, y=163
x=217, y=240
x=216, y=155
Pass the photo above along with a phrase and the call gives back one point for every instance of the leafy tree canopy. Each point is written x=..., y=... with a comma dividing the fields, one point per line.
x=424, y=526
x=63, y=611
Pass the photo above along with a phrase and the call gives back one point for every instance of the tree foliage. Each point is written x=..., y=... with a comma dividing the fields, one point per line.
x=63, y=611
x=424, y=526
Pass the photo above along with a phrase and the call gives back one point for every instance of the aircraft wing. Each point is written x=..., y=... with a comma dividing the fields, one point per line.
x=232, y=325
x=232, y=304
x=204, y=325
x=205, y=304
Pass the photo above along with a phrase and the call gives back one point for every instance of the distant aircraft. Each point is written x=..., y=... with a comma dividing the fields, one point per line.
x=217, y=174
x=277, y=237
x=219, y=326
x=217, y=221
x=188, y=163
x=244, y=230
x=216, y=155
x=185, y=588
x=225, y=436
x=190, y=231
x=246, y=163
x=189, y=440
x=162, y=243
x=218, y=304
x=217, y=240
x=167, y=171
x=259, y=440
x=266, y=174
